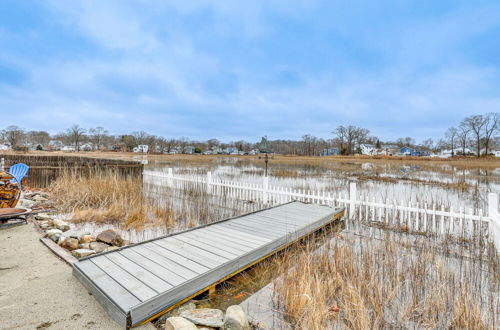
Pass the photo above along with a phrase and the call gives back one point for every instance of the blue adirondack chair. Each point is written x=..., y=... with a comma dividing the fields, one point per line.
x=18, y=171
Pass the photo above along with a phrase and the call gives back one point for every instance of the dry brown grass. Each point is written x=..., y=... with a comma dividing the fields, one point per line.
x=362, y=284
x=108, y=197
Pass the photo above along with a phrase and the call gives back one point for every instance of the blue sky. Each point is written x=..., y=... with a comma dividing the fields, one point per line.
x=243, y=69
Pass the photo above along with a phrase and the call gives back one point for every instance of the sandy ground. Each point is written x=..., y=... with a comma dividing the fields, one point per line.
x=38, y=291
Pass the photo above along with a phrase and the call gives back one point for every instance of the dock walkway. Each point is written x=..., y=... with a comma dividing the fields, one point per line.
x=137, y=283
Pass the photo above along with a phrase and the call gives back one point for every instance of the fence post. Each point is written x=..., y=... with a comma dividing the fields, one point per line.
x=170, y=174
x=209, y=181
x=265, y=185
x=352, y=199
x=494, y=225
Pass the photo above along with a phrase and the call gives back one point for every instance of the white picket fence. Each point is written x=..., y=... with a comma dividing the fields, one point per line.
x=412, y=217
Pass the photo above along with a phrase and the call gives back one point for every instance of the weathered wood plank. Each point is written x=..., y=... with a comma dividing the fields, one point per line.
x=177, y=258
x=213, y=240
x=164, y=261
x=243, y=238
x=197, y=255
x=139, y=272
x=117, y=293
x=157, y=269
x=125, y=279
x=202, y=245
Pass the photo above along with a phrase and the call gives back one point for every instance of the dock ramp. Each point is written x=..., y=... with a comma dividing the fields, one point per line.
x=137, y=283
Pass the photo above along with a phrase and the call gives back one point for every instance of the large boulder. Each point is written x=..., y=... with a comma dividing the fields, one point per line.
x=70, y=244
x=179, y=323
x=87, y=239
x=51, y=232
x=80, y=253
x=98, y=247
x=110, y=237
x=205, y=316
x=236, y=319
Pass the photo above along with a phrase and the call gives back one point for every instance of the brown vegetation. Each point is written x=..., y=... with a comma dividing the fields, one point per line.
x=366, y=284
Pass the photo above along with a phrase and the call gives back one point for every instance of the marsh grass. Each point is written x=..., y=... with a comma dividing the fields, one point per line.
x=108, y=197
x=358, y=282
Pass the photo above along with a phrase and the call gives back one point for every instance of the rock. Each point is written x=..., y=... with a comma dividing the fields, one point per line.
x=44, y=225
x=61, y=239
x=55, y=237
x=70, y=244
x=49, y=233
x=110, y=237
x=206, y=316
x=87, y=239
x=27, y=204
x=80, y=253
x=189, y=306
x=236, y=319
x=84, y=246
x=111, y=248
x=42, y=216
x=179, y=323
x=98, y=247
x=61, y=225
x=39, y=198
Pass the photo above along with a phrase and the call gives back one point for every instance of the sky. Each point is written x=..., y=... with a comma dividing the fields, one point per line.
x=236, y=70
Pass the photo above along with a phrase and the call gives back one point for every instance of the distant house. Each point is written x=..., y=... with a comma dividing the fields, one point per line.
x=367, y=149
x=407, y=151
x=68, y=148
x=143, y=148
x=87, y=147
x=231, y=151
x=55, y=145
x=330, y=152
x=5, y=146
x=457, y=152
x=388, y=150
x=189, y=150
x=496, y=153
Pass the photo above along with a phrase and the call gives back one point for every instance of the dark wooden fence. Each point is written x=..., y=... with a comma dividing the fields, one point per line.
x=45, y=168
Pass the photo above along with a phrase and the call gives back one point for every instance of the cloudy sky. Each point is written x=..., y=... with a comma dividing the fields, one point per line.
x=244, y=69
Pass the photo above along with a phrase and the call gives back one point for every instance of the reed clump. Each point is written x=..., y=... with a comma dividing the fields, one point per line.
x=376, y=284
x=106, y=196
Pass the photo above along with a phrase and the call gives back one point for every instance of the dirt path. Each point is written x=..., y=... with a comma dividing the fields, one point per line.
x=38, y=291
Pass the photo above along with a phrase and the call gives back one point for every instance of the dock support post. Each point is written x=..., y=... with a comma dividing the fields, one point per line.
x=2, y=164
x=352, y=199
x=211, y=291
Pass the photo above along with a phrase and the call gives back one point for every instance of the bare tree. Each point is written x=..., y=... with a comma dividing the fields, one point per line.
x=492, y=126
x=97, y=136
x=428, y=144
x=38, y=138
x=475, y=125
x=350, y=137
x=463, y=136
x=76, y=134
x=451, y=135
x=14, y=135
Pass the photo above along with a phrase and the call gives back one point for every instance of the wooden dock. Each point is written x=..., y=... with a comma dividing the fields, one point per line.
x=140, y=282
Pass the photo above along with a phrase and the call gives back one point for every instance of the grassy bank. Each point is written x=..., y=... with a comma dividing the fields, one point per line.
x=361, y=283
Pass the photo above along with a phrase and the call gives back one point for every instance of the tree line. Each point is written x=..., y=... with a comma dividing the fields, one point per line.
x=477, y=132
